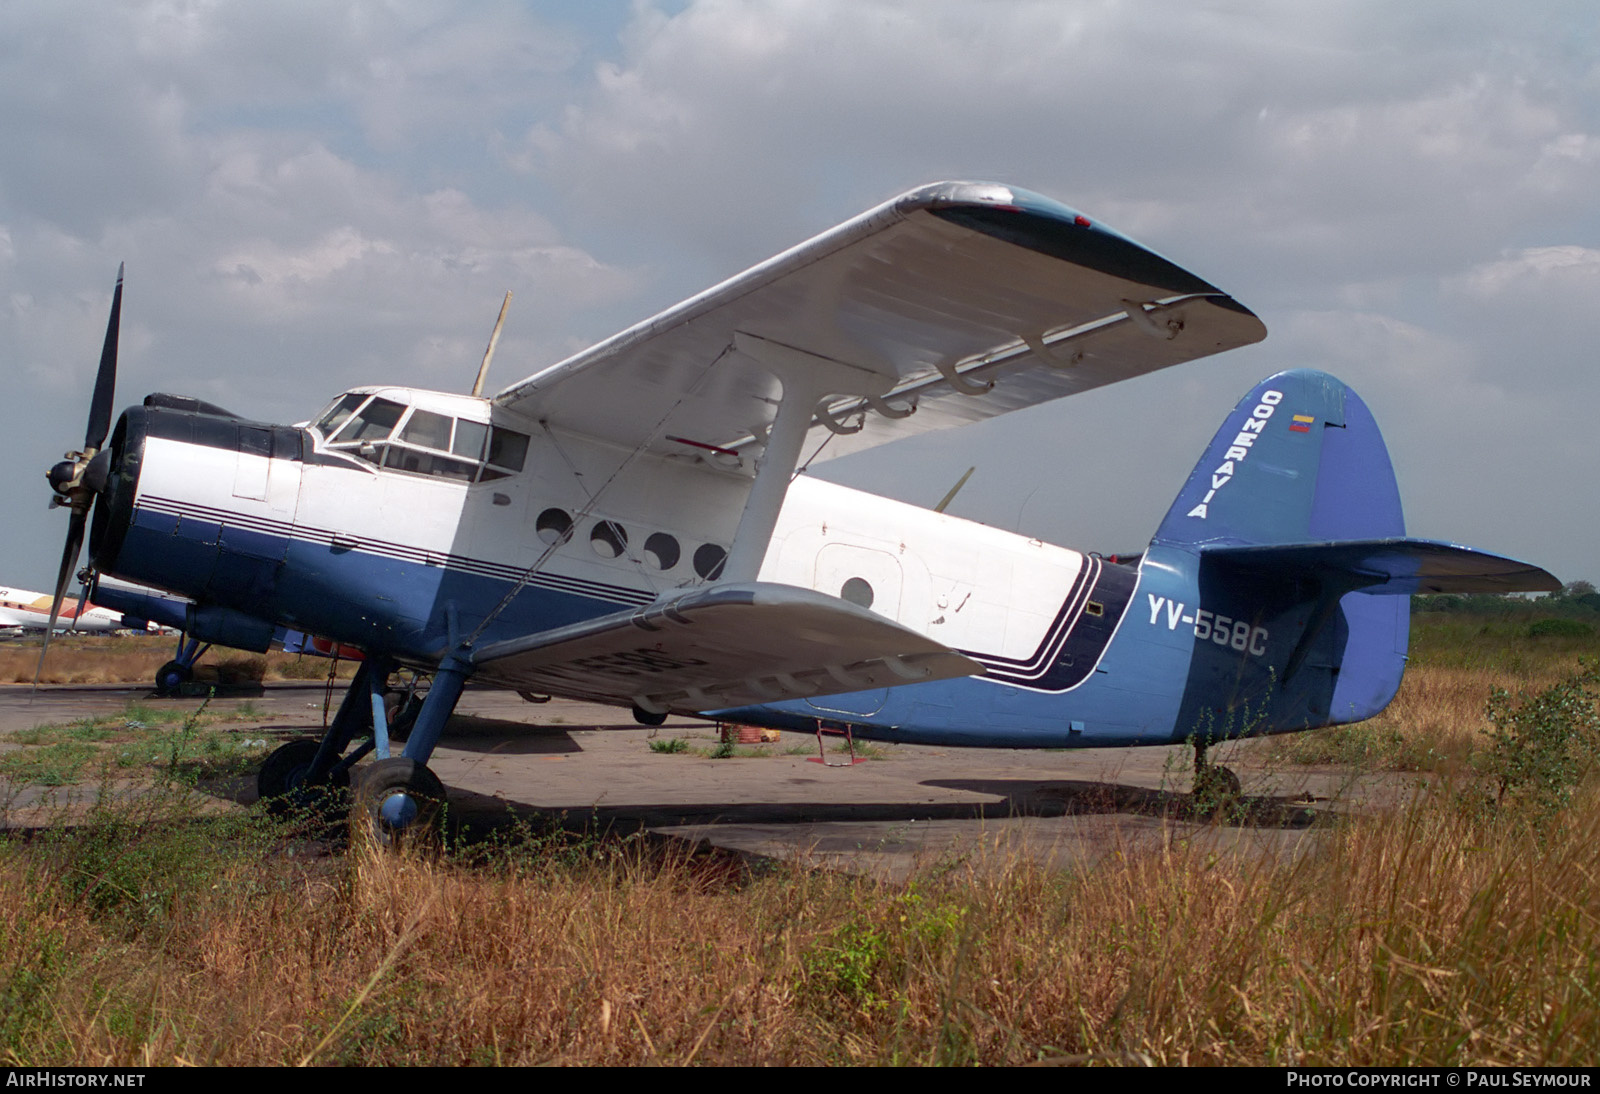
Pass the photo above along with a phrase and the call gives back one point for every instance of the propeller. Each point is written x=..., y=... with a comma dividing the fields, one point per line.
x=81, y=475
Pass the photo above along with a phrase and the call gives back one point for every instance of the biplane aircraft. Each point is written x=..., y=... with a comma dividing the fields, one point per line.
x=628, y=525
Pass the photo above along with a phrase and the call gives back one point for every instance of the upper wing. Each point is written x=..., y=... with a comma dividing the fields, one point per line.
x=723, y=646
x=960, y=300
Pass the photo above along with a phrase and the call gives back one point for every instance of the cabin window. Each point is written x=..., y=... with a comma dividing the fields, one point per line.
x=508, y=448
x=608, y=539
x=554, y=526
x=661, y=551
x=857, y=591
x=708, y=560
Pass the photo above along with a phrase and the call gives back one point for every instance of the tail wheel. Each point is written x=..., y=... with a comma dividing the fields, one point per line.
x=1215, y=786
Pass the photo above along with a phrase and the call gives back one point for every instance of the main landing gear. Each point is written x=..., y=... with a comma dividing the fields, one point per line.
x=396, y=795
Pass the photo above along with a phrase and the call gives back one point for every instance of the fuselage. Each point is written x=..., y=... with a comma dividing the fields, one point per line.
x=408, y=522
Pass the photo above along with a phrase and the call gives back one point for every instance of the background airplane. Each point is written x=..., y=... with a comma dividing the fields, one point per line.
x=24, y=610
x=628, y=525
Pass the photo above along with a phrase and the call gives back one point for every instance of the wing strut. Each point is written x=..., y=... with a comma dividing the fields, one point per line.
x=806, y=380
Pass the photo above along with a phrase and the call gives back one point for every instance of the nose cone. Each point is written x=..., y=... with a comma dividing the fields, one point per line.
x=60, y=476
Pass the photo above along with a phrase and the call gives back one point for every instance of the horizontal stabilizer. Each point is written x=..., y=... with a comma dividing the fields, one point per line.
x=1399, y=566
x=722, y=646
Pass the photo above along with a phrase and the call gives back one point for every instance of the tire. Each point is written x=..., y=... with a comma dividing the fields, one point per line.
x=1216, y=786
x=172, y=676
x=284, y=769
x=648, y=717
x=281, y=784
x=399, y=799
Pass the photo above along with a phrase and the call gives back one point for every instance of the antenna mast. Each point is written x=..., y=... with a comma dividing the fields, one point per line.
x=488, y=354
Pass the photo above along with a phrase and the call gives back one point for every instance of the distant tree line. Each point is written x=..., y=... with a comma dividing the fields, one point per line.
x=1576, y=598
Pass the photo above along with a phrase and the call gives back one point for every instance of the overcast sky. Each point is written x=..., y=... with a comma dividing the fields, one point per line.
x=315, y=195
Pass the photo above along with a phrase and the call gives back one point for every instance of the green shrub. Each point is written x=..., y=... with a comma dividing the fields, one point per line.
x=1559, y=628
x=1542, y=743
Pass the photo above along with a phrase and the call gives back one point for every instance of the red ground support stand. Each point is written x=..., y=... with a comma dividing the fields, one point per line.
x=822, y=755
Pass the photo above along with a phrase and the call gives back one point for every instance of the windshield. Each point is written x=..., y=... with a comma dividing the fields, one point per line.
x=425, y=443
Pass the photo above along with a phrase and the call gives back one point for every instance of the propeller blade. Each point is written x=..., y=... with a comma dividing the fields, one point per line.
x=105, y=383
x=69, y=563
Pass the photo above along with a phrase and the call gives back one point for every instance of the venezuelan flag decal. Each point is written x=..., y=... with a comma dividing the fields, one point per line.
x=1301, y=424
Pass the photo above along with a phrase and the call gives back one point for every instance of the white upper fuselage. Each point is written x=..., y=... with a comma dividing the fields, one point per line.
x=640, y=525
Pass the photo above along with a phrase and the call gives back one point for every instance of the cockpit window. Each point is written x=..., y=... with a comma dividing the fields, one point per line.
x=336, y=415
x=427, y=463
x=374, y=422
x=508, y=448
x=427, y=429
x=431, y=444
x=469, y=440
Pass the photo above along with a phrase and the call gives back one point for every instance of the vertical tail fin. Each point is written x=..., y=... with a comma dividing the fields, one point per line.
x=1299, y=460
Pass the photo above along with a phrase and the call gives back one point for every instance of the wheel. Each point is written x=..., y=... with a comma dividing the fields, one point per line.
x=648, y=717
x=172, y=676
x=400, y=798
x=282, y=784
x=285, y=768
x=1215, y=785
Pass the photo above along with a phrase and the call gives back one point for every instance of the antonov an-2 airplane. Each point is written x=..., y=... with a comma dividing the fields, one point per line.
x=628, y=525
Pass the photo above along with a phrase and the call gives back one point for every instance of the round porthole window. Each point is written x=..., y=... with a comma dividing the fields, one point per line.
x=554, y=526
x=608, y=539
x=661, y=551
x=708, y=560
x=857, y=591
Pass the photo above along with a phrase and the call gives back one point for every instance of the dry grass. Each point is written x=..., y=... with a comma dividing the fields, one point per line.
x=1438, y=722
x=108, y=659
x=1431, y=936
